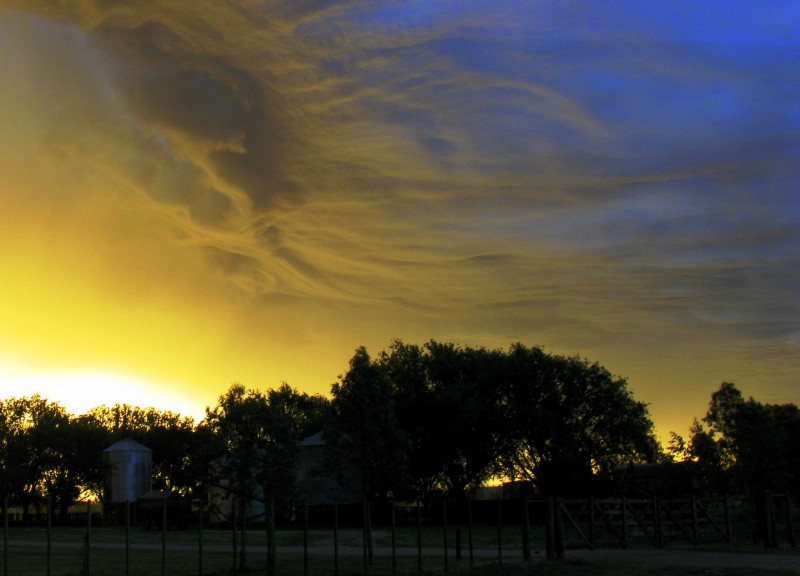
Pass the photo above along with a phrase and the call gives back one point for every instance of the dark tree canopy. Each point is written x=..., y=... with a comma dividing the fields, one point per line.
x=746, y=445
x=368, y=446
x=413, y=422
x=448, y=405
x=568, y=418
x=470, y=414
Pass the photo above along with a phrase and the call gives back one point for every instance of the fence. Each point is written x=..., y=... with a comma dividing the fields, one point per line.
x=660, y=522
x=404, y=538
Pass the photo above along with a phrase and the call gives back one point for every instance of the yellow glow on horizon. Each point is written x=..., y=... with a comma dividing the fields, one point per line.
x=80, y=390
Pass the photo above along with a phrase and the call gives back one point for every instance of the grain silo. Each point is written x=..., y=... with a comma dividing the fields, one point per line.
x=127, y=466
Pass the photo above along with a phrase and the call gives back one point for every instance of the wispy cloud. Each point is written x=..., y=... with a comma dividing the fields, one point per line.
x=614, y=180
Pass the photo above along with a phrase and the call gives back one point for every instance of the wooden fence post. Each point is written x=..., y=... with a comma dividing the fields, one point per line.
x=49, y=534
x=526, y=531
x=624, y=516
x=657, y=523
x=559, y=532
x=200, y=537
x=727, y=508
x=789, y=524
x=336, y=539
x=234, y=509
x=305, y=537
x=499, y=530
x=550, y=528
x=164, y=538
x=444, y=532
x=419, y=538
x=769, y=520
x=469, y=533
x=394, y=539
x=127, y=537
x=5, y=535
x=88, y=556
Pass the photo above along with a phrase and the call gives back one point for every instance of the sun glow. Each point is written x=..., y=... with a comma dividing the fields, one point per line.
x=79, y=390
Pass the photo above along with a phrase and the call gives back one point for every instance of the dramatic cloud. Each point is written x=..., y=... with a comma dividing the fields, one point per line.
x=203, y=192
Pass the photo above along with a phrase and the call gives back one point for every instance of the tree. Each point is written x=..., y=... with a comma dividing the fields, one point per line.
x=418, y=414
x=36, y=453
x=750, y=445
x=368, y=447
x=464, y=382
x=287, y=417
x=447, y=402
x=234, y=425
x=568, y=418
x=257, y=438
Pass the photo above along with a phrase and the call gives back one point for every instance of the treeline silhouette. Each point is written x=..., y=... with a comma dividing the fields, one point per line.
x=412, y=422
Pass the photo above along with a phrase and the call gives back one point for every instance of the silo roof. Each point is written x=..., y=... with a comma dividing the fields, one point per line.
x=313, y=440
x=127, y=445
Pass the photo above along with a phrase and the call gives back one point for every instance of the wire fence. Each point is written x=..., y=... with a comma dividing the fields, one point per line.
x=395, y=538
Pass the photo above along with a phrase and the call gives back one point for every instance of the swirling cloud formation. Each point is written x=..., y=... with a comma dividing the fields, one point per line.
x=214, y=191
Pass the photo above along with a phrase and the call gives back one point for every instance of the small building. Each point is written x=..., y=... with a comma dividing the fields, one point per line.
x=666, y=479
x=316, y=482
x=158, y=508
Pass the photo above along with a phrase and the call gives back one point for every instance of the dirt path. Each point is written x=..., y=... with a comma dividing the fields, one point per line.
x=789, y=562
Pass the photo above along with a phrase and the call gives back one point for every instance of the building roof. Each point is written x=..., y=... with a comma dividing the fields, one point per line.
x=313, y=440
x=127, y=445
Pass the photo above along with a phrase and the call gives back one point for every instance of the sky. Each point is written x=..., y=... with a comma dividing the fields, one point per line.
x=196, y=193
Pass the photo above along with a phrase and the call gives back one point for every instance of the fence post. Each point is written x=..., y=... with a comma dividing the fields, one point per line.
x=526, y=531
x=88, y=557
x=5, y=535
x=49, y=534
x=419, y=538
x=127, y=537
x=769, y=521
x=559, y=536
x=657, y=522
x=305, y=537
x=164, y=538
x=336, y=539
x=234, y=511
x=200, y=537
x=364, y=544
x=727, y=508
x=444, y=531
x=469, y=533
x=499, y=530
x=394, y=538
x=550, y=528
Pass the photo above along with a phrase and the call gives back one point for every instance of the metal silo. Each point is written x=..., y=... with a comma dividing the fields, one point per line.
x=127, y=467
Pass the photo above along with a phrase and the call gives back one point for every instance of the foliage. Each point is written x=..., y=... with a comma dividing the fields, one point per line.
x=255, y=438
x=746, y=444
x=169, y=435
x=368, y=447
x=448, y=405
x=414, y=421
x=567, y=419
